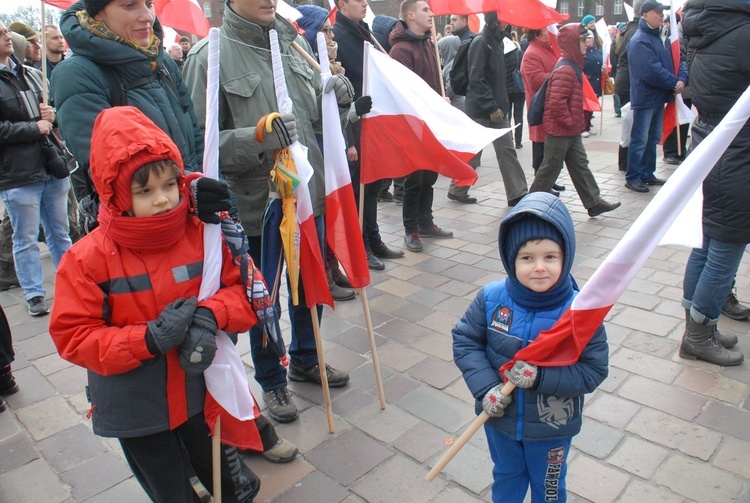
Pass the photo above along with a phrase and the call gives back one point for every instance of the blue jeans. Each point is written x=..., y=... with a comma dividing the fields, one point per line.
x=708, y=277
x=644, y=137
x=269, y=373
x=27, y=206
x=518, y=465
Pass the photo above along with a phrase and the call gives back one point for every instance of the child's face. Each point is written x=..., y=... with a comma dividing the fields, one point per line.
x=539, y=264
x=160, y=194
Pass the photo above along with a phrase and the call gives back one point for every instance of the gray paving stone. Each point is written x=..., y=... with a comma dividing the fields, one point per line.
x=439, y=345
x=348, y=457
x=399, y=357
x=9, y=426
x=30, y=329
x=127, y=491
x=34, y=388
x=383, y=425
x=597, y=439
x=595, y=481
x=401, y=331
x=96, y=475
x=696, y=480
x=347, y=404
x=422, y=441
x=645, y=321
x=17, y=450
x=638, y=457
x=730, y=420
x=611, y=410
x=37, y=346
x=50, y=364
x=674, y=433
x=445, y=412
x=649, y=344
x=396, y=387
x=663, y=397
x=315, y=487
x=69, y=448
x=363, y=377
x=310, y=429
x=454, y=495
x=70, y=380
x=356, y=340
x=470, y=468
x=48, y=417
x=713, y=385
x=34, y=482
x=276, y=478
x=398, y=479
x=732, y=457
x=436, y=373
x=645, y=365
x=640, y=491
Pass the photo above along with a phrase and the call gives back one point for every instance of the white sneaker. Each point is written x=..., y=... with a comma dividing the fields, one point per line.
x=585, y=134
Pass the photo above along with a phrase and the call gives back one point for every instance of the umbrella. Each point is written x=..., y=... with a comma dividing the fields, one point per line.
x=284, y=177
x=532, y=14
x=185, y=15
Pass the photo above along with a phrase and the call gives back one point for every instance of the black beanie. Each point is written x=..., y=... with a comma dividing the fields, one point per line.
x=528, y=228
x=93, y=7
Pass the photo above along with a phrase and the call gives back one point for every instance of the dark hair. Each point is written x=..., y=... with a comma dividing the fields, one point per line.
x=184, y=39
x=532, y=35
x=143, y=173
x=406, y=7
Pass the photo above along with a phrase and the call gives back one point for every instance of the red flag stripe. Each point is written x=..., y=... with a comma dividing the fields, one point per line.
x=342, y=233
x=311, y=267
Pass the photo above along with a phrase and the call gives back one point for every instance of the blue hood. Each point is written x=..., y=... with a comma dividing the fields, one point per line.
x=551, y=209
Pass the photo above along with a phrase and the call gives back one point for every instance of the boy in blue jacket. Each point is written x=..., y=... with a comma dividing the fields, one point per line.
x=529, y=433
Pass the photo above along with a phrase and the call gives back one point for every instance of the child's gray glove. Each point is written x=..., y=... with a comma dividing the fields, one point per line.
x=199, y=348
x=170, y=328
x=342, y=88
x=494, y=402
x=522, y=374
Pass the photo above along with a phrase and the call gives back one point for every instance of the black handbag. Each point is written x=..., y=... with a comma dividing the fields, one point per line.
x=54, y=159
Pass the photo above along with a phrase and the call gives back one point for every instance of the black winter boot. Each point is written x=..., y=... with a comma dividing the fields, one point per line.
x=338, y=275
x=733, y=309
x=8, y=384
x=725, y=340
x=337, y=292
x=699, y=343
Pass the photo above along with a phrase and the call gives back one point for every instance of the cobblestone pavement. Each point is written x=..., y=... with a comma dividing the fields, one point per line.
x=658, y=429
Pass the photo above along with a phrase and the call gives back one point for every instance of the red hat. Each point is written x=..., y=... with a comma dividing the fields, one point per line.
x=123, y=141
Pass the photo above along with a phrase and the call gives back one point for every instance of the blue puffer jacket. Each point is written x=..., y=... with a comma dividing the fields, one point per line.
x=496, y=325
x=652, y=77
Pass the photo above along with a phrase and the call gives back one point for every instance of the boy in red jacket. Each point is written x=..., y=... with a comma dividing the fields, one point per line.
x=564, y=121
x=126, y=310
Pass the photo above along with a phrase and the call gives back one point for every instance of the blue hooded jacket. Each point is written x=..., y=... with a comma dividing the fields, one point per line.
x=506, y=316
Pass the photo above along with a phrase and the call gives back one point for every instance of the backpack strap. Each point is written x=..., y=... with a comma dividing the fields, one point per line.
x=575, y=67
x=116, y=89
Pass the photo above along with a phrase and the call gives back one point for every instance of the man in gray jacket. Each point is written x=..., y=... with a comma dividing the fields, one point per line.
x=246, y=95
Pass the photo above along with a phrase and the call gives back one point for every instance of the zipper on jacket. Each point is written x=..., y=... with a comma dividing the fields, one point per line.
x=520, y=392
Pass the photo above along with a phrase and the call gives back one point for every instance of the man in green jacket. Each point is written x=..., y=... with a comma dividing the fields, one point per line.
x=247, y=94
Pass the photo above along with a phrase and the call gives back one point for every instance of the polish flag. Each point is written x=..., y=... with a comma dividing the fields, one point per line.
x=531, y=14
x=563, y=343
x=676, y=111
x=411, y=127
x=311, y=267
x=342, y=223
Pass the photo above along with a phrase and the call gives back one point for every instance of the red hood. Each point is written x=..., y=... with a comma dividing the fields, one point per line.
x=124, y=139
x=569, y=41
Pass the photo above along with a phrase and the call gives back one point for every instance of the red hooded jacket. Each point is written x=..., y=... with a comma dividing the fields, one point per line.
x=105, y=293
x=563, y=110
x=537, y=63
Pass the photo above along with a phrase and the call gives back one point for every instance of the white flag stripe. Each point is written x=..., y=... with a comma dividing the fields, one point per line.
x=287, y=11
x=611, y=279
x=414, y=97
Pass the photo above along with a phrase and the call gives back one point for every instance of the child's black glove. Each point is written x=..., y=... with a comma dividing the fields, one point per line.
x=522, y=374
x=199, y=348
x=210, y=197
x=170, y=328
x=494, y=402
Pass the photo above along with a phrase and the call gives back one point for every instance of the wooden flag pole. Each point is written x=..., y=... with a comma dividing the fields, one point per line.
x=470, y=431
x=373, y=347
x=439, y=65
x=216, y=459
x=322, y=367
x=45, y=99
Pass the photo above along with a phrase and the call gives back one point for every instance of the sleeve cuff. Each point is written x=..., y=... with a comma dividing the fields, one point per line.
x=137, y=343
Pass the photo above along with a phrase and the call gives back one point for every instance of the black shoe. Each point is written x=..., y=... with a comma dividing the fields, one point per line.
x=8, y=384
x=558, y=188
x=280, y=405
x=412, y=242
x=637, y=186
x=8, y=284
x=435, y=232
x=655, y=181
x=385, y=197
x=518, y=145
x=398, y=200
x=602, y=207
x=670, y=159
x=554, y=192
x=2, y=404
x=513, y=202
x=618, y=115
x=339, y=293
x=336, y=378
x=462, y=199
x=374, y=262
x=382, y=251
x=732, y=309
x=37, y=306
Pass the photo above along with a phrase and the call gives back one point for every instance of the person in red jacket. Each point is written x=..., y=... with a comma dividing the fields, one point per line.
x=126, y=310
x=564, y=121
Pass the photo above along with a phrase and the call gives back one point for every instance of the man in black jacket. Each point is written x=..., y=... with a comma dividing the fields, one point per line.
x=29, y=193
x=351, y=34
x=460, y=26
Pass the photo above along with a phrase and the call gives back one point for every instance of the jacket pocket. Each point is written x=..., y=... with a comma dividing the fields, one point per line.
x=306, y=85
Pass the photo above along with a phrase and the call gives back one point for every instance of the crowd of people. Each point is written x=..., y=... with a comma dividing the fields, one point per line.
x=122, y=127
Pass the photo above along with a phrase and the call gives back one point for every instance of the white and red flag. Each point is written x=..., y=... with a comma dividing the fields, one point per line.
x=564, y=342
x=311, y=266
x=676, y=111
x=411, y=127
x=342, y=222
x=531, y=14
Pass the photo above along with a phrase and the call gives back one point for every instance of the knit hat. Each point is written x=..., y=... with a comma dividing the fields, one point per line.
x=93, y=7
x=621, y=26
x=311, y=21
x=587, y=19
x=25, y=31
x=528, y=228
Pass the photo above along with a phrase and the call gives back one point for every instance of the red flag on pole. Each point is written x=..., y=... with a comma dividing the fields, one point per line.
x=531, y=14
x=670, y=111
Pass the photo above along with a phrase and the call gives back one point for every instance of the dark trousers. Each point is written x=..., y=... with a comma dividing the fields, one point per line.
x=7, y=267
x=6, y=341
x=269, y=373
x=162, y=463
x=537, y=154
x=670, y=144
x=418, y=195
x=517, y=102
